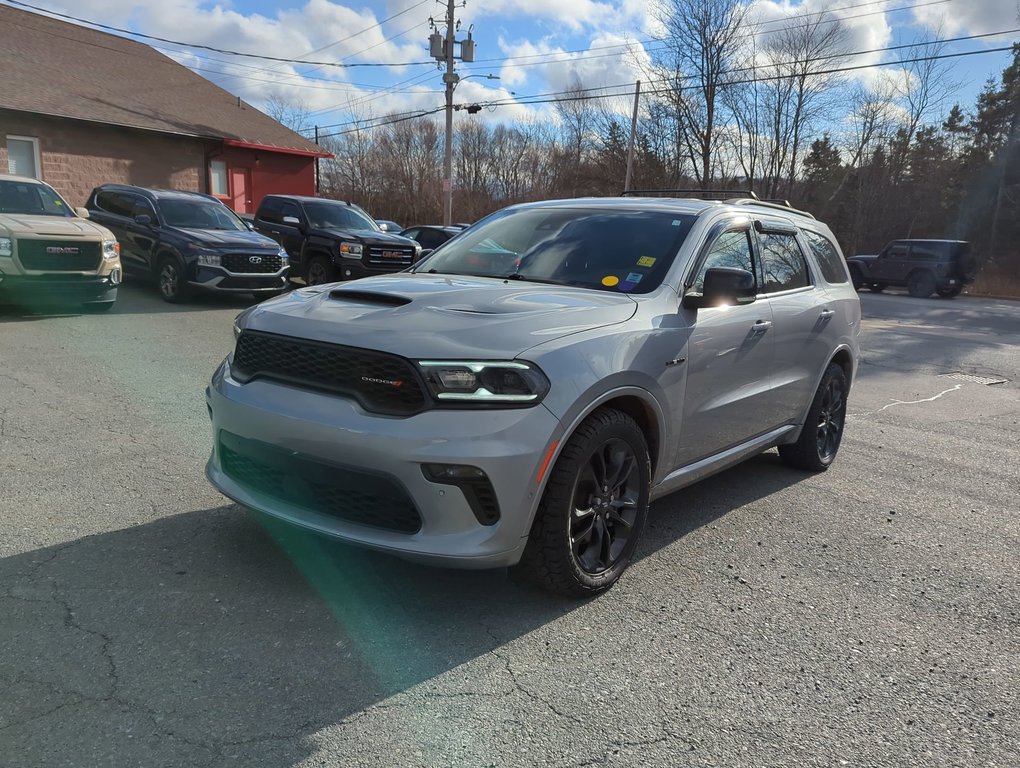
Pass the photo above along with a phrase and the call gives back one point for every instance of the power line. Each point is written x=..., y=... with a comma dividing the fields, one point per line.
x=550, y=57
x=123, y=31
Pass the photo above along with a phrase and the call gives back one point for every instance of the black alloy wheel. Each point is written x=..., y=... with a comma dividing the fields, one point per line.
x=822, y=434
x=170, y=280
x=319, y=271
x=921, y=284
x=593, y=509
x=604, y=507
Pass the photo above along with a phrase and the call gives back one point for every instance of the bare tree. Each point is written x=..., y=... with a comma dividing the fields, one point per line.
x=701, y=45
x=293, y=113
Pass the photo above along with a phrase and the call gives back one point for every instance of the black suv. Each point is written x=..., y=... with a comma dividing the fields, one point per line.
x=329, y=240
x=924, y=267
x=186, y=241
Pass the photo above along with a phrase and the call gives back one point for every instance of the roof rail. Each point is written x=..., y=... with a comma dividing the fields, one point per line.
x=783, y=205
x=713, y=194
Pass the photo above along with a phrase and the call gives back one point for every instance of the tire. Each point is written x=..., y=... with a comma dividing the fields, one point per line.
x=856, y=278
x=593, y=509
x=170, y=281
x=319, y=271
x=876, y=287
x=822, y=434
x=98, y=307
x=921, y=284
x=951, y=292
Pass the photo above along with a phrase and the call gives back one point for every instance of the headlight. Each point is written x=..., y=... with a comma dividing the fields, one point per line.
x=6, y=247
x=484, y=382
x=350, y=249
x=282, y=254
x=111, y=249
x=209, y=259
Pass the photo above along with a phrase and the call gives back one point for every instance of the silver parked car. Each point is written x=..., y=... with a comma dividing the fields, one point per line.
x=521, y=395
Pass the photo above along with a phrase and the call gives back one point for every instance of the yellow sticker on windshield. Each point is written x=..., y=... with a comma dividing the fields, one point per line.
x=645, y=261
x=610, y=280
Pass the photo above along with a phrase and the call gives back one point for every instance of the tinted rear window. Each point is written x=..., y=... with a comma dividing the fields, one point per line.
x=827, y=255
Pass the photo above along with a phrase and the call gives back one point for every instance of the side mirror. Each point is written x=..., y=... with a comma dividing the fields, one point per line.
x=82, y=213
x=723, y=286
x=143, y=220
x=425, y=252
x=294, y=221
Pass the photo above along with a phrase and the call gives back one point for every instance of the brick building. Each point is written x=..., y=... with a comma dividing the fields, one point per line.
x=79, y=107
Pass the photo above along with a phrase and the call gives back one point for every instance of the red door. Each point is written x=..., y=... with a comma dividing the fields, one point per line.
x=240, y=190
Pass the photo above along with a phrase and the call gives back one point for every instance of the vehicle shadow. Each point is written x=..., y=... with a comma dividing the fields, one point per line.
x=220, y=630
x=134, y=298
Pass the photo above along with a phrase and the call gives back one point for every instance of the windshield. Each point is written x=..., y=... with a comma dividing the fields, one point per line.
x=35, y=199
x=199, y=214
x=338, y=216
x=620, y=251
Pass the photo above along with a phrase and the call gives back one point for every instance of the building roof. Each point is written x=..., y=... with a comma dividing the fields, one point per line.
x=52, y=67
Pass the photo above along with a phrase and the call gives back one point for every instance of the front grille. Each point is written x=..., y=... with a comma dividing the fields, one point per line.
x=389, y=258
x=241, y=263
x=250, y=283
x=45, y=255
x=348, y=494
x=381, y=383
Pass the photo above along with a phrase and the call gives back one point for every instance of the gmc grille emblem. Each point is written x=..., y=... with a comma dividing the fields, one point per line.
x=392, y=255
x=395, y=383
x=254, y=259
x=59, y=249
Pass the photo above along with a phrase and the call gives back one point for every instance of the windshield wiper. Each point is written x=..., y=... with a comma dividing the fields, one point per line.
x=525, y=278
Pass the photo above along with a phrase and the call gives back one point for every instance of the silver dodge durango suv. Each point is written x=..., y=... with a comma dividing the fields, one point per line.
x=522, y=394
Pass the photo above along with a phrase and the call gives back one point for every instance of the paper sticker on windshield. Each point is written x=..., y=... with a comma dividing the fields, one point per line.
x=634, y=277
x=645, y=261
x=677, y=222
x=626, y=286
x=610, y=280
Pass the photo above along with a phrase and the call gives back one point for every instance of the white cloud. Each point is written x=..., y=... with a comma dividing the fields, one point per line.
x=971, y=16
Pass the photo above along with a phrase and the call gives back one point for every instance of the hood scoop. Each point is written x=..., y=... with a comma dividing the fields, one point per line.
x=369, y=297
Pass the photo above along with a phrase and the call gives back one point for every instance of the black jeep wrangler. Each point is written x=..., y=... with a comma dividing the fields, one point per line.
x=330, y=240
x=924, y=267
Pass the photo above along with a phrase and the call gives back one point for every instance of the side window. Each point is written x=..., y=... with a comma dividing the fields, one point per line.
x=827, y=255
x=269, y=211
x=731, y=249
x=143, y=207
x=290, y=209
x=897, y=252
x=412, y=233
x=782, y=263
x=115, y=203
x=926, y=252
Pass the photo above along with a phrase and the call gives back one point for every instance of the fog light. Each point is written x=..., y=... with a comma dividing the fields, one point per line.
x=473, y=483
x=347, y=273
x=115, y=277
x=446, y=472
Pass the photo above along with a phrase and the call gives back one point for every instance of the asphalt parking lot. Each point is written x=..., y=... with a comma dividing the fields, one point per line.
x=867, y=616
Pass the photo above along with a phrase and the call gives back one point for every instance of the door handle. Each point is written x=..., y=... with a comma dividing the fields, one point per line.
x=761, y=326
x=827, y=313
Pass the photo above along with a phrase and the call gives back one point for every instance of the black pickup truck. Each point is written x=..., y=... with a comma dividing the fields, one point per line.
x=331, y=240
x=923, y=267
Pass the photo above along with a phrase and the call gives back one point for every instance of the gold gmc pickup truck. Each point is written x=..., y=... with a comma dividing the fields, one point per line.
x=49, y=253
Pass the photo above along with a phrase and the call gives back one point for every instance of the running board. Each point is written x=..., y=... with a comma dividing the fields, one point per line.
x=699, y=470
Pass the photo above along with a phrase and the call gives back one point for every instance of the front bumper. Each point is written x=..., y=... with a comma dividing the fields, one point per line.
x=221, y=281
x=324, y=430
x=59, y=288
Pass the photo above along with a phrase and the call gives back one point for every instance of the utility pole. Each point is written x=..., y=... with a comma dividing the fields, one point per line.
x=316, y=163
x=633, y=130
x=441, y=48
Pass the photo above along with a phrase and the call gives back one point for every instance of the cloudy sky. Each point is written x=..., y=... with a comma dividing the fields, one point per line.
x=535, y=47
